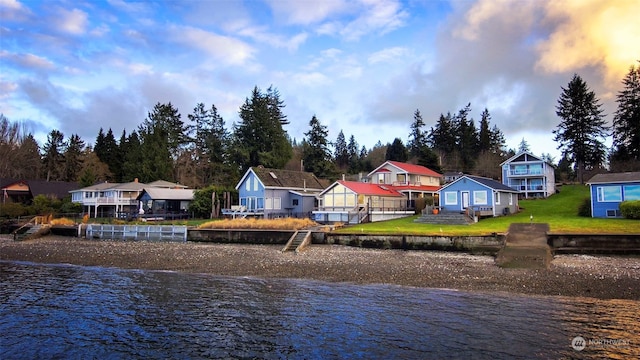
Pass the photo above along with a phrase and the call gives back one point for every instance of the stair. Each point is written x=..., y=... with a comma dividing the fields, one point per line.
x=526, y=247
x=32, y=232
x=446, y=218
x=298, y=241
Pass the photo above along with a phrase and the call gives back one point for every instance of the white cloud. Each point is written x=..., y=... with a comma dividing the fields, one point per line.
x=13, y=10
x=28, y=61
x=306, y=13
x=222, y=48
x=71, y=21
x=381, y=16
x=388, y=55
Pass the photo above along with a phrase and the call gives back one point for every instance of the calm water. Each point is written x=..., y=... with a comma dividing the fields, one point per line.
x=63, y=311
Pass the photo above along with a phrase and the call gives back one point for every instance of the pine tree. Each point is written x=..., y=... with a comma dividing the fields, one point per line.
x=397, y=151
x=485, y=135
x=354, y=156
x=582, y=126
x=73, y=158
x=524, y=147
x=53, y=158
x=626, y=122
x=417, y=137
x=316, y=155
x=341, y=151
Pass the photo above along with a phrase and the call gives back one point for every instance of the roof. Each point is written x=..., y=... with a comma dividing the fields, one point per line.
x=59, y=189
x=166, y=184
x=490, y=183
x=426, y=188
x=408, y=168
x=625, y=177
x=363, y=188
x=515, y=157
x=157, y=193
x=288, y=179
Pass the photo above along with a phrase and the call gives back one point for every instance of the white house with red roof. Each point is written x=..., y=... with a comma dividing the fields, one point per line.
x=354, y=202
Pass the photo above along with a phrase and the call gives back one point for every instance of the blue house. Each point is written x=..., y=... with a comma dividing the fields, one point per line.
x=272, y=193
x=609, y=190
x=478, y=195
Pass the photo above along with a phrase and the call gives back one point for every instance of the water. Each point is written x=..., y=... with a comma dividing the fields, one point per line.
x=64, y=311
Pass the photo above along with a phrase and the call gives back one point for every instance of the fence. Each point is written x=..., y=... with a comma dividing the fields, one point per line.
x=137, y=232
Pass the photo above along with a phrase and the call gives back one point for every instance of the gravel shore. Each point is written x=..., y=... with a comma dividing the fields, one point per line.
x=604, y=277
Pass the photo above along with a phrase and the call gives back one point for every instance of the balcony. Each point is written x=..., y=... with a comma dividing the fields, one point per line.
x=528, y=187
x=113, y=201
x=531, y=172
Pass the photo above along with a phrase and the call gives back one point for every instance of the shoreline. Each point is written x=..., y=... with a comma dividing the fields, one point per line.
x=602, y=277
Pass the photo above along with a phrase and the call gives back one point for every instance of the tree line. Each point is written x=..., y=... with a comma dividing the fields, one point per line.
x=203, y=151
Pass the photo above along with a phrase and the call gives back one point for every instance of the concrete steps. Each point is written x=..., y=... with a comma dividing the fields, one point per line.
x=526, y=247
x=32, y=232
x=444, y=219
x=298, y=241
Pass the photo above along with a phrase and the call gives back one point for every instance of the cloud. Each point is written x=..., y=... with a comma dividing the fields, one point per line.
x=305, y=13
x=28, y=61
x=222, y=48
x=388, y=55
x=381, y=16
x=591, y=33
x=13, y=10
x=71, y=21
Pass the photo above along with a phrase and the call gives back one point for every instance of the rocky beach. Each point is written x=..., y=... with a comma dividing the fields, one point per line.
x=603, y=277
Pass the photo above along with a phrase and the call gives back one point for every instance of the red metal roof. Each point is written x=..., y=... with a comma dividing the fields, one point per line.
x=414, y=169
x=369, y=188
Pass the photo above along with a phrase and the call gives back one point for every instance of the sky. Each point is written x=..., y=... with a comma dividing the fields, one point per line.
x=363, y=67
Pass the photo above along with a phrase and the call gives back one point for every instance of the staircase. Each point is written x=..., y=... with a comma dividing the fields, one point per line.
x=298, y=241
x=32, y=232
x=526, y=247
x=446, y=218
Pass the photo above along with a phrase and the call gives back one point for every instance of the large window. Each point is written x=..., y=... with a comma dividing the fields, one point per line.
x=450, y=198
x=609, y=193
x=480, y=197
x=632, y=192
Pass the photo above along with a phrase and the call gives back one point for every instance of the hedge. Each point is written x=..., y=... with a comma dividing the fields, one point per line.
x=630, y=209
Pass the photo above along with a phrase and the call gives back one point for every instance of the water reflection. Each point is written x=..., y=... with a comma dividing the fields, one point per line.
x=54, y=311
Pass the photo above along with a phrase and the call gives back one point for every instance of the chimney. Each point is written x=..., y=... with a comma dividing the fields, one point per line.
x=135, y=180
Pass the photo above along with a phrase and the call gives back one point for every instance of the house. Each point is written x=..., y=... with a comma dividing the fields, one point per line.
x=478, y=196
x=24, y=191
x=273, y=193
x=609, y=190
x=112, y=199
x=452, y=176
x=532, y=176
x=413, y=181
x=165, y=202
x=354, y=202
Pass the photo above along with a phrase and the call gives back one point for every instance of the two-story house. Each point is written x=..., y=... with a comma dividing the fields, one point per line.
x=112, y=199
x=412, y=181
x=530, y=175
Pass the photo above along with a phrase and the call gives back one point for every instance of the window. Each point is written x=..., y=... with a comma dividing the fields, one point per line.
x=268, y=203
x=632, y=192
x=609, y=193
x=510, y=199
x=277, y=203
x=247, y=184
x=380, y=178
x=480, y=198
x=255, y=184
x=496, y=198
x=402, y=178
x=613, y=213
x=450, y=198
x=294, y=202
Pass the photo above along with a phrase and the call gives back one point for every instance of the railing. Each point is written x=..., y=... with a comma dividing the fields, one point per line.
x=528, y=187
x=407, y=183
x=525, y=172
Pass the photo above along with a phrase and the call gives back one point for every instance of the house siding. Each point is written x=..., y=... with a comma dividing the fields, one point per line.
x=530, y=175
x=606, y=198
x=474, y=190
x=251, y=193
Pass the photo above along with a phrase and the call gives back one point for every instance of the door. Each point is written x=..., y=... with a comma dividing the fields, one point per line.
x=465, y=200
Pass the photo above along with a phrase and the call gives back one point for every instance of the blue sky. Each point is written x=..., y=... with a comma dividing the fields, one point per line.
x=363, y=67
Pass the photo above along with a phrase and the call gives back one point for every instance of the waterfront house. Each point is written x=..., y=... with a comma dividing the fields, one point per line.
x=272, y=193
x=609, y=190
x=113, y=199
x=354, y=202
x=164, y=202
x=530, y=175
x=478, y=196
x=24, y=191
x=411, y=180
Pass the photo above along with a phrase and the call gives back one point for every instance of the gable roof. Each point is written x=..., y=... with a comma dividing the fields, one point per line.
x=523, y=156
x=363, y=188
x=624, y=177
x=166, y=184
x=490, y=183
x=59, y=189
x=407, y=168
x=287, y=179
x=158, y=193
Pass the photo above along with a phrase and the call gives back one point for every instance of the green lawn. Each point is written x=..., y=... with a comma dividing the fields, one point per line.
x=560, y=211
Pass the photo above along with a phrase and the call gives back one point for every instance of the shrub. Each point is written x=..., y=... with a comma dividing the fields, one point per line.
x=13, y=210
x=585, y=208
x=630, y=209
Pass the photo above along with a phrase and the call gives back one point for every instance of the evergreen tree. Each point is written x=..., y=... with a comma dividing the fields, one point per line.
x=53, y=158
x=108, y=152
x=417, y=137
x=259, y=138
x=467, y=139
x=524, y=147
x=73, y=158
x=341, y=151
x=498, y=142
x=132, y=157
x=485, y=135
x=211, y=145
x=626, y=123
x=442, y=138
x=354, y=155
x=582, y=126
x=397, y=151
x=29, y=160
x=316, y=155
x=166, y=119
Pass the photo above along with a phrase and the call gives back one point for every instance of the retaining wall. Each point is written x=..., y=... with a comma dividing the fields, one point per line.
x=594, y=243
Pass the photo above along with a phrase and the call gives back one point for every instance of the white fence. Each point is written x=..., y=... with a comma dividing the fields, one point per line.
x=137, y=232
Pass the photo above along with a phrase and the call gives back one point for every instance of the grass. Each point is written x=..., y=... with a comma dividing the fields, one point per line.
x=560, y=211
